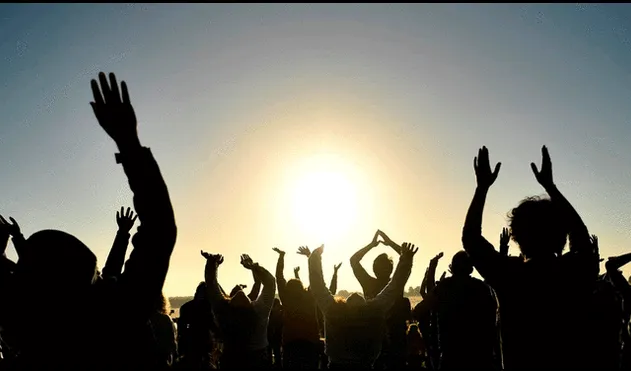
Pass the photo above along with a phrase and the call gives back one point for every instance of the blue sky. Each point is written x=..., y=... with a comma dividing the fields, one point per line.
x=234, y=98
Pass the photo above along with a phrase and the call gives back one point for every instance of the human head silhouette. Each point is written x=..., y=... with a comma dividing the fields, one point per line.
x=355, y=300
x=382, y=266
x=54, y=265
x=57, y=259
x=461, y=264
x=240, y=300
x=538, y=227
x=236, y=289
x=294, y=289
x=200, y=292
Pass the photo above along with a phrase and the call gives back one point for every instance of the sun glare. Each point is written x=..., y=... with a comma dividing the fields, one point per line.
x=324, y=200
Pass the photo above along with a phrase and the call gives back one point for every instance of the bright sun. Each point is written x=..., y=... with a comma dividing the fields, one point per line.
x=324, y=200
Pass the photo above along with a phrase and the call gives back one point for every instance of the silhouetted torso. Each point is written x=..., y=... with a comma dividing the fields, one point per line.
x=467, y=319
x=542, y=303
x=195, y=328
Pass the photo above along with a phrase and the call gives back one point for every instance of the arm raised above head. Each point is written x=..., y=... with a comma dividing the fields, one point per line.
x=148, y=263
x=360, y=273
x=387, y=297
x=316, y=279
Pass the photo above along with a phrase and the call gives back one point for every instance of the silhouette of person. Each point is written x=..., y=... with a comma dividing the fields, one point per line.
x=301, y=335
x=392, y=353
x=56, y=264
x=355, y=327
x=543, y=297
x=243, y=323
x=467, y=319
x=196, y=332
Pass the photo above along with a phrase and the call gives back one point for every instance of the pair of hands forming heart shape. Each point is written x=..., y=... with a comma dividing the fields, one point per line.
x=381, y=237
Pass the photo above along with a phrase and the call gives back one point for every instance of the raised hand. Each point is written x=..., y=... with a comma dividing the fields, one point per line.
x=408, y=250
x=482, y=166
x=319, y=250
x=436, y=258
x=386, y=240
x=595, y=249
x=279, y=251
x=114, y=112
x=594, y=241
x=12, y=229
x=304, y=250
x=544, y=176
x=504, y=240
x=296, y=272
x=442, y=276
x=504, y=236
x=337, y=267
x=375, y=240
x=212, y=259
x=247, y=262
x=125, y=219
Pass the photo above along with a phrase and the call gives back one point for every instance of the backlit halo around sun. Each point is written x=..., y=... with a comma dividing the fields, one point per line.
x=323, y=200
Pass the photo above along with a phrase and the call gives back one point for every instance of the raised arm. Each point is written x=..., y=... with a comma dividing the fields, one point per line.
x=431, y=272
x=482, y=253
x=360, y=273
x=394, y=290
x=617, y=262
x=12, y=229
x=423, y=288
x=613, y=266
x=316, y=279
x=213, y=292
x=221, y=290
x=297, y=273
x=580, y=240
x=116, y=257
x=304, y=251
x=333, y=287
x=263, y=304
x=256, y=288
x=148, y=263
x=280, y=276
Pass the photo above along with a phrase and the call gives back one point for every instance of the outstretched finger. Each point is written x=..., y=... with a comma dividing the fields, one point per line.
x=545, y=154
x=114, y=86
x=534, y=168
x=134, y=218
x=96, y=92
x=126, y=99
x=497, y=170
x=105, y=88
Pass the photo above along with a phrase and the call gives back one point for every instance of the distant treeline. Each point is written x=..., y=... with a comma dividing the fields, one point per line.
x=177, y=301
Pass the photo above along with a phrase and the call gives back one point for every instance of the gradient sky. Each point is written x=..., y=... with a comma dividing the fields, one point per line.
x=240, y=102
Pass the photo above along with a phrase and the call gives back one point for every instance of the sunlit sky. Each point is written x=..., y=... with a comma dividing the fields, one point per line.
x=253, y=111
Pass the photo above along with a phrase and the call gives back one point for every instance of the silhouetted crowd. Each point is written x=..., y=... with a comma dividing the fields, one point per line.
x=548, y=308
